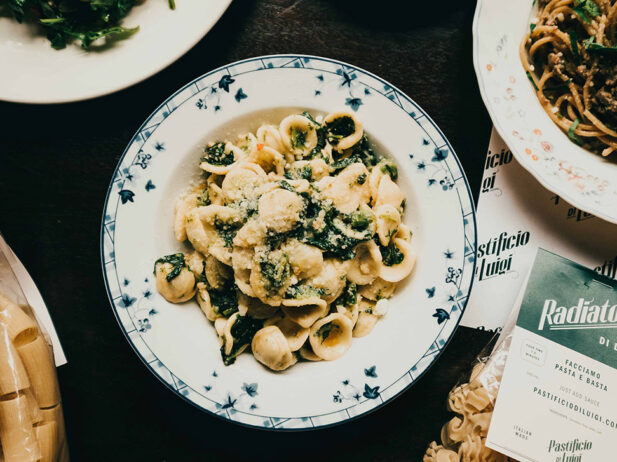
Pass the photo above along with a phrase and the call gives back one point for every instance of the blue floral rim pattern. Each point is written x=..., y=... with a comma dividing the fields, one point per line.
x=204, y=93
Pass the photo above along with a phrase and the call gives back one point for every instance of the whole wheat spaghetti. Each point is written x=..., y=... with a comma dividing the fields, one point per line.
x=570, y=58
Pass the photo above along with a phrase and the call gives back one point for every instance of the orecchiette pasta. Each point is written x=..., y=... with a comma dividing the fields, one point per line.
x=280, y=210
x=203, y=298
x=269, y=136
x=298, y=134
x=298, y=240
x=271, y=348
x=306, y=260
x=305, y=312
x=345, y=192
x=345, y=130
x=366, y=265
x=295, y=334
x=255, y=308
x=377, y=290
x=306, y=352
x=331, y=336
x=217, y=273
x=366, y=318
x=242, y=182
x=388, y=222
x=183, y=205
x=176, y=287
x=399, y=270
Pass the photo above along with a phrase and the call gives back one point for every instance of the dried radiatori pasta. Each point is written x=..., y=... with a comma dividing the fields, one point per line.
x=463, y=438
x=297, y=240
x=437, y=453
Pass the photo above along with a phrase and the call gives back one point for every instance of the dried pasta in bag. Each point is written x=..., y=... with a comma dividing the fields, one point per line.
x=31, y=420
x=463, y=437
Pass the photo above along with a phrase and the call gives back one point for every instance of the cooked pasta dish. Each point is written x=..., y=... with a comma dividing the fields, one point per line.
x=297, y=240
x=570, y=56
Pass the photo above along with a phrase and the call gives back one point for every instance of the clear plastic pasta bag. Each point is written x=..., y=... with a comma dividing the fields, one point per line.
x=31, y=420
x=472, y=401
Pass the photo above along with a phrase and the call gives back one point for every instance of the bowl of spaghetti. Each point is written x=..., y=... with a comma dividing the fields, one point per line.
x=548, y=75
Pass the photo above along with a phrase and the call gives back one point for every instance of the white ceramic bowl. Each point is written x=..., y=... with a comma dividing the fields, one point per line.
x=179, y=345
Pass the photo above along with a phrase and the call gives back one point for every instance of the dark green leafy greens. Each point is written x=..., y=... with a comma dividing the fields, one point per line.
x=340, y=128
x=286, y=186
x=324, y=331
x=204, y=198
x=177, y=262
x=344, y=162
x=298, y=138
x=274, y=239
x=321, y=142
x=304, y=291
x=362, y=152
x=365, y=153
x=308, y=115
x=571, y=134
x=225, y=299
x=276, y=270
x=332, y=240
x=216, y=155
x=302, y=173
x=243, y=331
x=349, y=296
x=227, y=231
x=574, y=46
x=533, y=82
x=602, y=50
x=586, y=9
x=85, y=21
x=389, y=168
x=358, y=220
x=589, y=41
x=390, y=254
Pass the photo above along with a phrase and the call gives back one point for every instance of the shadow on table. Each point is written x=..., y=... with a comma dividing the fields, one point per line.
x=400, y=430
x=394, y=15
x=214, y=438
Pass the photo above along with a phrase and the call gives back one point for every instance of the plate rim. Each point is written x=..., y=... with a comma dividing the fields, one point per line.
x=140, y=78
x=576, y=201
x=436, y=357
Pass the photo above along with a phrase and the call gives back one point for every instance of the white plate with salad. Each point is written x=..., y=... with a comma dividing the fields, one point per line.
x=74, y=50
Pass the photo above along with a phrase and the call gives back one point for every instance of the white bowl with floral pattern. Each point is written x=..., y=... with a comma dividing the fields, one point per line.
x=177, y=342
x=584, y=179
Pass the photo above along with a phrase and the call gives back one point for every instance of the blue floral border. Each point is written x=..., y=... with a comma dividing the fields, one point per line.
x=454, y=178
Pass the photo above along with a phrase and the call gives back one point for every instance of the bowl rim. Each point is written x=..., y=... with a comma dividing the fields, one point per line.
x=441, y=349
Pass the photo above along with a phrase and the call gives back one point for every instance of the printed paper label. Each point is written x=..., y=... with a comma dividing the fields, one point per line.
x=556, y=401
x=516, y=215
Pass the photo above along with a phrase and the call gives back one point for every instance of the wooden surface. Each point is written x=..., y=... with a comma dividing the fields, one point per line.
x=55, y=166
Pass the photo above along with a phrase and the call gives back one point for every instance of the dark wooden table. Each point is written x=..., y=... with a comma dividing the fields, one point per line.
x=55, y=166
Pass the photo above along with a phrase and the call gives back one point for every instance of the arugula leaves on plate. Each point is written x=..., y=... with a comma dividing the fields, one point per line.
x=82, y=20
